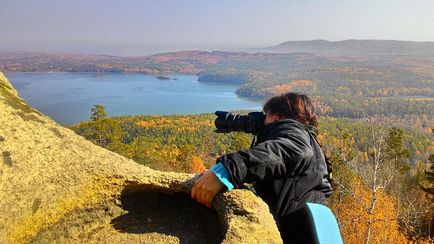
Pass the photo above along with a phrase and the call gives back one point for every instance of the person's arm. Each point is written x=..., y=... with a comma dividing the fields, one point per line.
x=275, y=158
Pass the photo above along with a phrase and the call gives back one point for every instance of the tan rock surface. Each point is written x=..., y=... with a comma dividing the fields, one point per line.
x=56, y=186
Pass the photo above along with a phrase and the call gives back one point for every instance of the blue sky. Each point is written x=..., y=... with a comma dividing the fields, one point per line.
x=138, y=27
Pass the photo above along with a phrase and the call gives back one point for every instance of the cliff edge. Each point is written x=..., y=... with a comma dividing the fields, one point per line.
x=56, y=186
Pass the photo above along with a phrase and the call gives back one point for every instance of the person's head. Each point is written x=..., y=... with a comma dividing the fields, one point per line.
x=292, y=105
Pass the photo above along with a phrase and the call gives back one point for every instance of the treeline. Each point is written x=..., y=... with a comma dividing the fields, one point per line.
x=359, y=107
x=222, y=78
x=362, y=81
x=173, y=143
x=372, y=76
x=396, y=86
x=353, y=92
x=377, y=174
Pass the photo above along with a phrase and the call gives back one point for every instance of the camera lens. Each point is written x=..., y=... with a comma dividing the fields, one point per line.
x=228, y=122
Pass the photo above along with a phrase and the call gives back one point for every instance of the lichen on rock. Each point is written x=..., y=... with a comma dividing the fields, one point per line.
x=56, y=186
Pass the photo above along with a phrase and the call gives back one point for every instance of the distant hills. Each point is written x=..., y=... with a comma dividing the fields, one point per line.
x=349, y=78
x=275, y=65
x=355, y=47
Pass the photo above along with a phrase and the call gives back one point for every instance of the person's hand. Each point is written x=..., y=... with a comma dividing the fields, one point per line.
x=206, y=187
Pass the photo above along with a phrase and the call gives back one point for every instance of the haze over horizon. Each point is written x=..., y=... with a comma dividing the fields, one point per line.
x=148, y=27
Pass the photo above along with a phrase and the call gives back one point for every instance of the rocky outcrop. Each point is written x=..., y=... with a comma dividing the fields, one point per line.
x=56, y=186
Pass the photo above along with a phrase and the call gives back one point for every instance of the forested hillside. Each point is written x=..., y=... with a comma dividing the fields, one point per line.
x=377, y=174
x=400, y=87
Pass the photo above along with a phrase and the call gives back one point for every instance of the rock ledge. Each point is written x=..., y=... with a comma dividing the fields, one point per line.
x=56, y=186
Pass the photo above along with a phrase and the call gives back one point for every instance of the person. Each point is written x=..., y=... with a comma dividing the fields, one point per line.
x=285, y=163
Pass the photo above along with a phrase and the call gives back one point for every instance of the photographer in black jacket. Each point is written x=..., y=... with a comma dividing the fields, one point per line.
x=285, y=164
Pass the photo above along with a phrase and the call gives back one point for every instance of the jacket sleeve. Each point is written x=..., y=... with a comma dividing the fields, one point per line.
x=272, y=159
x=223, y=175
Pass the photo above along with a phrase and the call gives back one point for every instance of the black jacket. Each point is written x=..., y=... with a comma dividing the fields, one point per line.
x=286, y=165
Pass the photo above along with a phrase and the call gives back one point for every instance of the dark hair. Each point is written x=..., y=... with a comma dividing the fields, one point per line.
x=292, y=105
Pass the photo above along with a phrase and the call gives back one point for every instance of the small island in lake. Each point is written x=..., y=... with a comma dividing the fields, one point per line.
x=163, y=78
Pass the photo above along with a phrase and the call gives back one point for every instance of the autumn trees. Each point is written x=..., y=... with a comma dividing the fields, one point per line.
x=377, y=196
x=172, y=143
x=375, y=199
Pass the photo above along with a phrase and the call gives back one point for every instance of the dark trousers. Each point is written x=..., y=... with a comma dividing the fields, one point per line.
x=298, y=227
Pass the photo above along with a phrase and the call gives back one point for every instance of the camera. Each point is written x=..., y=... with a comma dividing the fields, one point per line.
x=227, y=122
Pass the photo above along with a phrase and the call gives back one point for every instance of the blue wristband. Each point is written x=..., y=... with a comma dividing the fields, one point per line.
x=223, y=175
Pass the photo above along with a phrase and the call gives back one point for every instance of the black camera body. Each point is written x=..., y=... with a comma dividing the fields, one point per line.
x=251, y=123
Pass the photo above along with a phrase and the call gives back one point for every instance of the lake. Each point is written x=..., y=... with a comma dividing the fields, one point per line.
x=68, y=97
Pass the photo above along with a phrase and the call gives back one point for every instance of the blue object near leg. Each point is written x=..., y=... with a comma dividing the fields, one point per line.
x=327, y=228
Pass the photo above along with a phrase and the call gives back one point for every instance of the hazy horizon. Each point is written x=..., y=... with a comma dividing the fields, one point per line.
x=148, y=27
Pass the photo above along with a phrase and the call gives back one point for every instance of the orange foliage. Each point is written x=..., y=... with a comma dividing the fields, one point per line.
x=196, y=165
x=322, y=107
x=354, y=218
x=184, y=124
x=431, y=147
x=284, y=88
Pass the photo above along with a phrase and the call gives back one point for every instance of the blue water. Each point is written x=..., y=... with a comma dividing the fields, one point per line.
x=68, y=97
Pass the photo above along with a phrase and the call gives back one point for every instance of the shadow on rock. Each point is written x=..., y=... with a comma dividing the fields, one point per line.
x=174, y=214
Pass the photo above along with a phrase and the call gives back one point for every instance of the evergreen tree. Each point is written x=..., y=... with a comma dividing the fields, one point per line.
x=396, y=150
x=98, y=112
x=428, y=184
